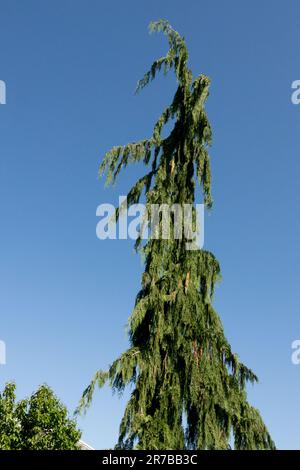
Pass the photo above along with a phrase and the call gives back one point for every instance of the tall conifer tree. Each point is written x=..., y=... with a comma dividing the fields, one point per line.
x=189, y=388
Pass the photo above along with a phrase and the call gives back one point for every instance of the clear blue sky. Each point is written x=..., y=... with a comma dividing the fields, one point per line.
x=70, y=67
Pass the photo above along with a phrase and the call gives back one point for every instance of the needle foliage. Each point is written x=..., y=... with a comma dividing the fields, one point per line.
x=188, y=387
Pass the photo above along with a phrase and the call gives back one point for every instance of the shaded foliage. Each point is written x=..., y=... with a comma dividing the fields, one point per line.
x=188, y=386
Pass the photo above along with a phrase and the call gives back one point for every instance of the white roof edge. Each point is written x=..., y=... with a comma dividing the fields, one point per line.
x=84, y=446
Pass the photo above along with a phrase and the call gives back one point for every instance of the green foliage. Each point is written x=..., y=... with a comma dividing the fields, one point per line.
x=188, y=385
x=40, y=422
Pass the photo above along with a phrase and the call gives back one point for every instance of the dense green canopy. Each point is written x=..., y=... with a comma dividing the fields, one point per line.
x=188, y=385
x=40, y=422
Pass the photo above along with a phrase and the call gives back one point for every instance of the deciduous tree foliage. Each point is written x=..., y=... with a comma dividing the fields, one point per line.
x=38, y=423
x=189, y=388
